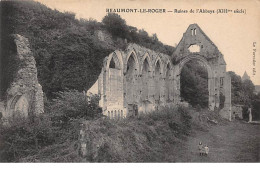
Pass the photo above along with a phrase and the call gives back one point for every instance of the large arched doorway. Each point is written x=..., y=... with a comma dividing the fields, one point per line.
x=194, y=84
x=201, y=62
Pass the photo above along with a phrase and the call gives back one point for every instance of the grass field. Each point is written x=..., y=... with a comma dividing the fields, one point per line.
x=235, y=141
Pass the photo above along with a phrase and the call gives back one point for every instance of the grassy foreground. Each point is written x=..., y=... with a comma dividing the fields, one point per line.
x=149, y=138
x=168, y=135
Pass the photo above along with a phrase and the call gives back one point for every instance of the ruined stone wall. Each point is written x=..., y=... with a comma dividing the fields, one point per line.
x=141, y=80
x=2, y=109
x=194, y=40
x=136, y=82
x=24, y=95
x=195, y=44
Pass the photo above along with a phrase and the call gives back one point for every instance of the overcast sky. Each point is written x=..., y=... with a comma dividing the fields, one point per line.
x=232, y=33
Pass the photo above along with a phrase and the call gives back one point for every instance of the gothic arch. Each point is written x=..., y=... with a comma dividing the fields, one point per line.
x=145, y=77
x=211, y=79
x=148, y=58
x=199, y=58
x=132, y=54
x=158, y=60
x=113, y=82
x=14, y=101
x=131, y=72
x=168, y=67
x=117, y=58
x=158, y=72
x=21, y=104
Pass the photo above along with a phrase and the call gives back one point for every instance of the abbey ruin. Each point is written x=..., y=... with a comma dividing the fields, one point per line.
x=136, y=80
x=24, y=95
x=139, y=80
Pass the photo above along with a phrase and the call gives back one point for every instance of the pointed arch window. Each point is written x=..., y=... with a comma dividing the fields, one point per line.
x=112, y=64
x=193, y=32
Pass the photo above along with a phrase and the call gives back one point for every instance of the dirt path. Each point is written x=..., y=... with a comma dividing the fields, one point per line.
x=234, y=142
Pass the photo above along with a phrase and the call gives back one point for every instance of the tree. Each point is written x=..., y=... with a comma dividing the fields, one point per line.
x=66, y=50
x=248, y=89
x=22, y=137
x=256, y=106
x=242, y=92
x=236, y=88
x=194, y=84
x=72, y=104
x=115, y=25
x=155, y=38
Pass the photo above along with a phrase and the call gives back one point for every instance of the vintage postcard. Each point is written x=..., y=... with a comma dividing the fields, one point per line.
x=130, y=81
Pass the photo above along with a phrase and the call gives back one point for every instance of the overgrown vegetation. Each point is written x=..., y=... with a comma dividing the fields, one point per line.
x=142, y=139
x=67, y=51
x=243, y=93
x=59, y=125
x=146, y=138
x=114, y=24
x=8, y=65
x=194, y=90
x=194, y=84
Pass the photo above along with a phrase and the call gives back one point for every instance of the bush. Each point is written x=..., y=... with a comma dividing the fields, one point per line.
x=51, y=134
x=146, y=138
x=115, y=25
x=178, y=118
x=72, y=104
x=21, y=137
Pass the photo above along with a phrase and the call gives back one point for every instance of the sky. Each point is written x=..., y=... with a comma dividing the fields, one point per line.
x=233, y=33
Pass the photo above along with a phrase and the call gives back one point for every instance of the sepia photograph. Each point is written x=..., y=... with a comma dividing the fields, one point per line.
x=129, y=81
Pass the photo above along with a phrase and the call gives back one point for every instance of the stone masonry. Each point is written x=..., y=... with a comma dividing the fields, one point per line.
x=139, y=80
x=24, y=95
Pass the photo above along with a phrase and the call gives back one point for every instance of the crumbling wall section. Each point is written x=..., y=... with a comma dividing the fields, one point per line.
x=24, y=94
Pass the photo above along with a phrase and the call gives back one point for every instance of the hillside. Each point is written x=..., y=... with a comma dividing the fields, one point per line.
x=67, y=51
x=170, y=135
x=64, y=50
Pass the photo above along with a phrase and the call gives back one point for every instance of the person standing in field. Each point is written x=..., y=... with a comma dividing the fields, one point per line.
x=250, y=114
x=200, y=149
x=206, y=150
